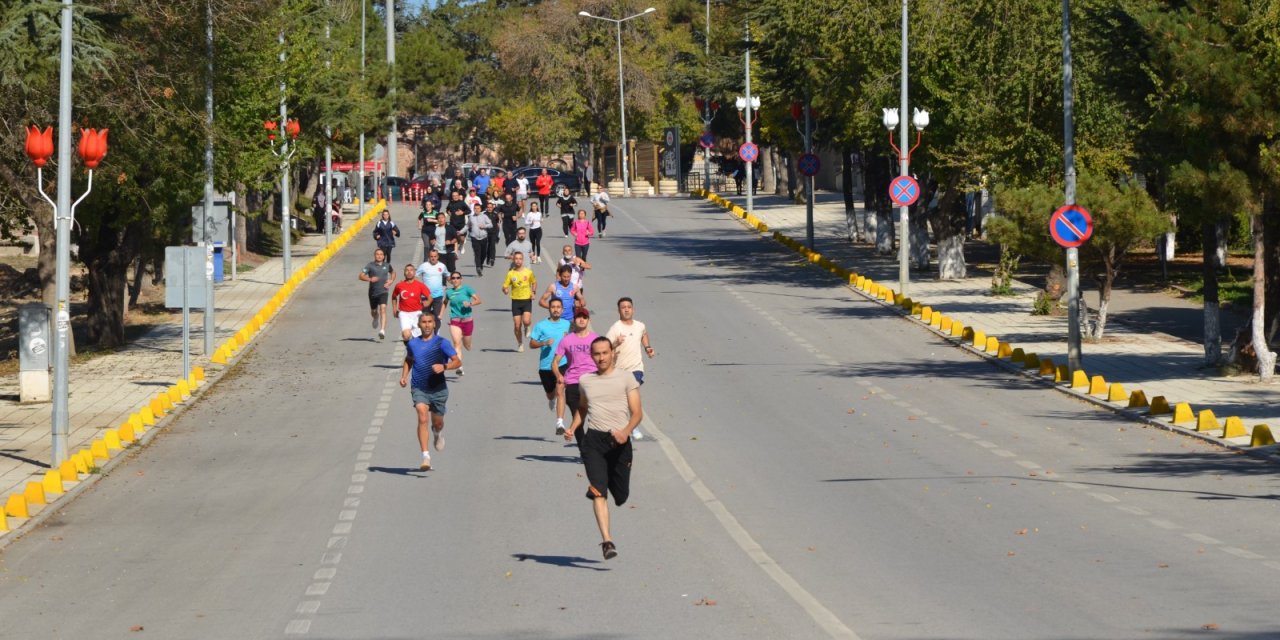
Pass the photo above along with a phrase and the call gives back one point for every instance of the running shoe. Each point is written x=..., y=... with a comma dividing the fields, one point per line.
x=610, y=551
x=551, y=404
x=439, y=441
x=461, y=372
x=375, y=323
x=382, y=335
x=426, y=463
x=560, y=426
x=520, y=348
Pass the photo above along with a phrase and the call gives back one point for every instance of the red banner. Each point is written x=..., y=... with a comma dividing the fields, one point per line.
x=369, y=165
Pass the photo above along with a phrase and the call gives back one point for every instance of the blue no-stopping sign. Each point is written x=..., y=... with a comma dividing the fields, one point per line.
x=1071, y=226
x=904, y=191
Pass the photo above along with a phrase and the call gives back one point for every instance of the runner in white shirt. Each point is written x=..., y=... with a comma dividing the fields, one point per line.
x=433, y=274
x=522, y=189
x=533, y=222
x=630, y=341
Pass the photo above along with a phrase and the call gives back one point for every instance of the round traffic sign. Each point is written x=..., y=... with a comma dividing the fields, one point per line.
x=1071, y=226
x=748, y=152
x=904, y=191
x=809, y=164
x=707, y=140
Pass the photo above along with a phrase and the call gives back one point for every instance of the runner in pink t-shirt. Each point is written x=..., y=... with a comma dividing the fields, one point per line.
x=575, y=348
x=582, y=232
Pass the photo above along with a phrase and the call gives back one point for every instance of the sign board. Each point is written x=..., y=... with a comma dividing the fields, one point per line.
x=218, y=225
x=707, y=140
x=904, y=191
x=671, y=152
x=809, y=164
x=33, y=337
x=175, y=259
x=1071, y=226
x=748, y=152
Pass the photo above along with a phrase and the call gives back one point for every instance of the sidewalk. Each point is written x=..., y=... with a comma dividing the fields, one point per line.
x=104, y=391
x=1156, y=363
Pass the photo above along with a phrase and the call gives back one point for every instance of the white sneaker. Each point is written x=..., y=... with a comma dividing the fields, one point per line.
x=438, y=441
x=520, y=349
x=382, y=335
x=461, y=372
x=635, y=433
x=551, y=404
x=426, y=462
x=560, y=426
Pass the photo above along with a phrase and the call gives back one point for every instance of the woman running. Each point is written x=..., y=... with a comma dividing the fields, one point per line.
x=582, y=232
x=462, y=302
x=533, y=222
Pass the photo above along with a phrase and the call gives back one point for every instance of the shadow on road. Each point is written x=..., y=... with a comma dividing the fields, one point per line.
x=526, y=438
x=412, y=472
x=572, y=562
x=968, y=479
x=528, y=457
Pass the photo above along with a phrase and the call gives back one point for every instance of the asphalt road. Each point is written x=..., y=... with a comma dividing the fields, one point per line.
x=815, y=468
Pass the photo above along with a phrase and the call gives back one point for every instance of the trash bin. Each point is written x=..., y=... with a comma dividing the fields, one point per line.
x=35, y=339
x=218, y=262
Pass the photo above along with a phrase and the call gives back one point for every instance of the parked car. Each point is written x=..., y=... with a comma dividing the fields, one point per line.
x=566, y=178
x=393, y=187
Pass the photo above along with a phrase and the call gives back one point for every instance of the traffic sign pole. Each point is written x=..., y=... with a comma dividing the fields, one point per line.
x=1074, y=359
x=808, y=180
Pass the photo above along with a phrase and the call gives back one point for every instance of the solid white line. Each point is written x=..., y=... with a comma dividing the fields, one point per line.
x=967, y=436
x=932, y=420
x=820, y=614
x=1272, y=564
x=1026, y=464
x=986, y=444
x=1004, y=453
x=1243, y=553
x=948, y=427
x=1163, y=524
x=1075, y=485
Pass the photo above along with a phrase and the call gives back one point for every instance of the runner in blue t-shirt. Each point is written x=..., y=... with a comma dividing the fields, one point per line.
x=546, y=334
x=428, y=357
x=565, y=290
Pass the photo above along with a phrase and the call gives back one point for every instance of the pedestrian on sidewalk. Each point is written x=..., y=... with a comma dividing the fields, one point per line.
x=428, y=357
x=462, y=303
x=479, y=226
x=600, y=202
x=385, y=233
x=566, y=202
x=582, y=232
x=612, y=398
x=380, y=276
x=546, y=336
x=520, y=285
x=630, y=339
x=407, y=302
x=574, y=351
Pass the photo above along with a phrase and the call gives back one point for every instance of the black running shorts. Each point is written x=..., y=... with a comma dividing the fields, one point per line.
x=608, y=465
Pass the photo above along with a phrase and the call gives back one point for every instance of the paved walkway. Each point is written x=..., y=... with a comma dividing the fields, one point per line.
x=105, y=390
x=1157, y=363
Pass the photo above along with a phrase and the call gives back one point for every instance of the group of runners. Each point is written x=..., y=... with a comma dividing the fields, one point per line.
x=588, y=379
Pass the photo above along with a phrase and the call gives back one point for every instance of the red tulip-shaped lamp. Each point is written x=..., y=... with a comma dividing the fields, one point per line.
x=39, y=145
x=93, y=146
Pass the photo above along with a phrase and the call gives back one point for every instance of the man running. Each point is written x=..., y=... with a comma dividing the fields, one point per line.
x=579, y=266
x=462, y=302
x=446, y=242
x=546, y=336
x=428, y=357
x=479, y=226
x=564, y=290
x=406, y=302
x=630, y=337
x=612, y=398
x=521, y=244
x=520, y=285
x=433, y=274
x=574, y=350
x=491, y=210
x=509, y=212
x=380, y=276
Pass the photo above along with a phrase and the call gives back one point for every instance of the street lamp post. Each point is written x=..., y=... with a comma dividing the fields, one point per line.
x=804, y=111
x=751, y=103
x=393, y=138
x=707, y=110
x=360, y=187
x=286, y=237
x=622, y=97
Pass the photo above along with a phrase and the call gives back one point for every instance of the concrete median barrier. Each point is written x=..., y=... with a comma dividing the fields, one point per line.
x=1233, y=427
x=1261, y=436
x=1206, y=421
x=1182, y=413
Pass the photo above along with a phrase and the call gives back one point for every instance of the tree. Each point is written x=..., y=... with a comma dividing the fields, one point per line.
x=1124, y=218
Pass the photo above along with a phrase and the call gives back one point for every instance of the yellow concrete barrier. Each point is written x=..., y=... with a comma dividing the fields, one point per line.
x=219, y=356
x=1005, y=350
x=1182, y=413
x=4, y=522
x=165, y=400
x=1116, y=393
x=957, y=329
x=126, y=432
x=762, y=227
x=1079, y=379
x=993, y=344
x=1160, y=406
x=1261, y=437
x=1047, y=367
x=1233, y=427
x=1206, y=421
x=916, y=309
x=158, y=406
x=854, y=280
x=81, y=465
x=1138, y=400
x=184, y=389
x=936, y=320
x=99, y=450
x=175, y=394
x=1062, y=373
x=34, y=493
x=135, y=421
x=968, y=335
x=1097, y=386
x=1018, y=355
x=1031, y=361
x=16, y=506
x=898, y=298
x=51, y=483
x=147, y=416
x=112, y=439
x=68, y=471
x=945, y=324
x=926, y=314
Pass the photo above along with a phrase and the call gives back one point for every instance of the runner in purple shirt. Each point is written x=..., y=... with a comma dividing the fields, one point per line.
x=575, y=348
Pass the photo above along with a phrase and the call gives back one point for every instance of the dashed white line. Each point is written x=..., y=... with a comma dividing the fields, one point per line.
x=1004, y=453
x=1026, y=464
x=1104, y=497
x=1272, y=564
x=1201, y=538
x=318, y=588
x=1163, y=524
x=297, y=627
x=308, y=606
x=986, y=444
x=1074, y=485
x=326, y=573
x=1242, y=553
x=1137, y=511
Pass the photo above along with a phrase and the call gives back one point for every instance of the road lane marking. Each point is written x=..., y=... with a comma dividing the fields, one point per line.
x=948, y=427
x=308, y=607
x=823, y=616
x=1026, y=464
x=1075, y=485
x=1104, y=497
x=932, y=420
x=1242, y=553
x=1137, y=511
x=297, y=627
x=1201, y=538
x=1004, y=453
x=1163, y=524
x=967, y=436
x=986, y=444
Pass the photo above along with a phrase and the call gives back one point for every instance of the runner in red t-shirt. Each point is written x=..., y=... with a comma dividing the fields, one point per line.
x=544, y=182
x=407, y=302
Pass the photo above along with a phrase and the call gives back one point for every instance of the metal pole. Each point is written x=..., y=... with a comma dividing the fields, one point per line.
x=706, y=109
x=329, y=192
x=622, y=109
x=1069, y=157
x=286, y=239
x=393, y=137
x=360, y=187
x=186, y=318
x=206, y=232
x=62, y=222
x=751, y=203
x=808, y=180
x=904, y=165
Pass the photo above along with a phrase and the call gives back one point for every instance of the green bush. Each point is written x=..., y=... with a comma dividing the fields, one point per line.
x=269, y=240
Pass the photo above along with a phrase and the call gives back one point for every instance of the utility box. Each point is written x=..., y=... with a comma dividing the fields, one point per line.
x=35, y=339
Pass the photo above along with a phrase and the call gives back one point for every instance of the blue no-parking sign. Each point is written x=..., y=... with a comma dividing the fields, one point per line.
x=904, y=191
x=748, y=152
x=1071, y=226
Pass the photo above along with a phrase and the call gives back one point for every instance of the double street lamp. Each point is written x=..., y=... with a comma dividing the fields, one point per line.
x=751, y=105
x=622, y=98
